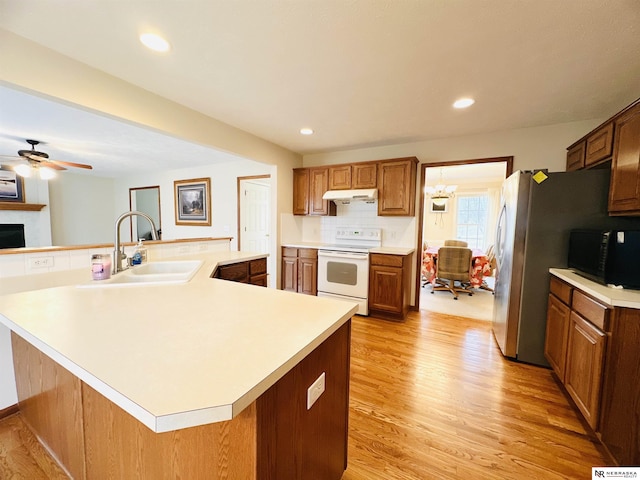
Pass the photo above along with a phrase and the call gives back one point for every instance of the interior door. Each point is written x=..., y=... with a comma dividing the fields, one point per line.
x=255, y=217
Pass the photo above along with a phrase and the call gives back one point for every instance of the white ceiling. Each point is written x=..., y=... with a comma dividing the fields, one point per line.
x=359, y=72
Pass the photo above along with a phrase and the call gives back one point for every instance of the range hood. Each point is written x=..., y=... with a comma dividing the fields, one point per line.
x=368, y=195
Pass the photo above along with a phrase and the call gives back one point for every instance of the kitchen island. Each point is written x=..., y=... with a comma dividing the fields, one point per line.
x=204, y=379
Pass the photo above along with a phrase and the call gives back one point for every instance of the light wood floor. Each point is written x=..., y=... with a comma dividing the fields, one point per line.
x=431, y=398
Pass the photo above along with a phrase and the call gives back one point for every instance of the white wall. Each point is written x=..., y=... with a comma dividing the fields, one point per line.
x=82, y=209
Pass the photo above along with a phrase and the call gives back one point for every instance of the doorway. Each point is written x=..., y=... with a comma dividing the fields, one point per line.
x=254, y=215
x=465, y=208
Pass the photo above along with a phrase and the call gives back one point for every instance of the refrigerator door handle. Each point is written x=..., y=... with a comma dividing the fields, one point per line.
x=500, y=234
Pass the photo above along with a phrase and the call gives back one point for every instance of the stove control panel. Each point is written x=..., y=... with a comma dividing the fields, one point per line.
x=368, y=234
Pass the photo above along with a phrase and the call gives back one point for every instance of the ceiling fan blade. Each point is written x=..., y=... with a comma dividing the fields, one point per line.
x=52, y=165
x=37, y=158
x=72, y=164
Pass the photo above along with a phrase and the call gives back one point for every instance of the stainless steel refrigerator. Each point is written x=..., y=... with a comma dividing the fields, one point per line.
x=532, y=236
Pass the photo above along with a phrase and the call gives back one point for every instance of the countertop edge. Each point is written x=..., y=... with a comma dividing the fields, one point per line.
x=614, y=297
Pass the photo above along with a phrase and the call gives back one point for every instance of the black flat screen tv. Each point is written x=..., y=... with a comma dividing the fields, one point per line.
x=11, y=235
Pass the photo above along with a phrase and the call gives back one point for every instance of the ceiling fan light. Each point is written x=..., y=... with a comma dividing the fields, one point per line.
x=22, y=170
x=47, y=173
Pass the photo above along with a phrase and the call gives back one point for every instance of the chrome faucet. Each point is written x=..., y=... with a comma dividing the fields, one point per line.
x=117, y=255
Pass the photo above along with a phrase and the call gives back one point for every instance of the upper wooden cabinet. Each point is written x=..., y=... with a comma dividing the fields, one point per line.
x=397, y=186
x=309, y=185
x=300, y=191
x=357, y=175
x=575, y=156
x=624, y=193
x=599, y=145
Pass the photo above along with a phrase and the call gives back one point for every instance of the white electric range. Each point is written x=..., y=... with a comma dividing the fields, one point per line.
x=343, y=267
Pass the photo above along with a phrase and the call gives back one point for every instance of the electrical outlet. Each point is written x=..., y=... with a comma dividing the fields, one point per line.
x=41, y=262
x=315, y=390
x=183, y=250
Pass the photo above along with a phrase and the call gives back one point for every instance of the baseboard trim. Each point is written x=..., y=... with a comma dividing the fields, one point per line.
x=10, y=410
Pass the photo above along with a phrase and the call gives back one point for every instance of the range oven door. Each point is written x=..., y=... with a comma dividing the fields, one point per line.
x=343, y=273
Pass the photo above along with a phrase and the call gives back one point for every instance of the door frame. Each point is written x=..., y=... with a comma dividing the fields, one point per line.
x=423, y=168
x=239, y=197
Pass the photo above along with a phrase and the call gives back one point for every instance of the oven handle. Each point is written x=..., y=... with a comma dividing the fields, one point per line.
x=349, y=255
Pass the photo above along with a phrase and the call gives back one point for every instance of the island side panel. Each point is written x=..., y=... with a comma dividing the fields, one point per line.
x=294, y=442
x=119, y=446
x=49, y=398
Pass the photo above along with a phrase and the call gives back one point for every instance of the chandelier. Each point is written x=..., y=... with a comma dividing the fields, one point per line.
x=441, y=192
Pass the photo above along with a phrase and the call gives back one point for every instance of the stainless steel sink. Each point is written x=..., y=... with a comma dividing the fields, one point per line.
x=153, y=273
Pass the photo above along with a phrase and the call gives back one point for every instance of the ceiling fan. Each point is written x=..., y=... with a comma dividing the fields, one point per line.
x=37, y=160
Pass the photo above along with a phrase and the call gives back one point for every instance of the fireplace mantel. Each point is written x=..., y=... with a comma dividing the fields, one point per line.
x=31, y=207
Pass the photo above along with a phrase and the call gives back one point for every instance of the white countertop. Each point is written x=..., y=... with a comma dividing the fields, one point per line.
x=383, y=250
x=176, y=355
x=615, y=297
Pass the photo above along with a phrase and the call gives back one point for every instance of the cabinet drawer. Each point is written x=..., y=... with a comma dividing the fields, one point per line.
x=236, y=272
x=257, y=267
x=599, y=145
x=561, y=290
x=308, y=253
x=591, y=310
x=386, y=260
x=289, y=252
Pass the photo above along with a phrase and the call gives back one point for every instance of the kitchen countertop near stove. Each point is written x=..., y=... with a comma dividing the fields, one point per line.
x=382, y=250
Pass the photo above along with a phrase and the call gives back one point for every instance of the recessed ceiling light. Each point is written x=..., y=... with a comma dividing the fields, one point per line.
x=154, y=42
x=306, y=131
x=463, y=103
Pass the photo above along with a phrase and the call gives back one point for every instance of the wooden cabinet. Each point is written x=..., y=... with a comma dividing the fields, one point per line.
x=575, y=156
x=353, y=176
x=340, y=177
x=253, y=272
x=557, y=335
x=389, y=285
x=599, y=145
x=300, y=270
x=583, y=376
x=624, y=193
x=397, y=187
x=575, y=345
x=309, y=185
x=619, y=420
x=300, y=191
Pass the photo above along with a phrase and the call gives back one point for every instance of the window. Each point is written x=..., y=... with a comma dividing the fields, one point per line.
x=471, y=221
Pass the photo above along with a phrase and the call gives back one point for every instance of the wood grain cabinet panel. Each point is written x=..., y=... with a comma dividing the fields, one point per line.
x=340, y=177
x=624, y=193
x=364, y=175
x=389, y=285
x=318, y=185
x=300, y=270
x=300, y=191
x=585, y=361
x=575, y=157
x=620, y=418
x=599, y=145
x=290, y=269
x=397, y=187
x=253, y=272
x=557, y=335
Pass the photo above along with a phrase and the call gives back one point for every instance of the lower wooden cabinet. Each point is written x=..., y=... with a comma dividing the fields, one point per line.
x=389, y=285
x=300, y=270
x=557, y=336
x=253, y=272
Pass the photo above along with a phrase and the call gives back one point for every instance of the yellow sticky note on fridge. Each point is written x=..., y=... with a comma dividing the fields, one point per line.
x=539, y=177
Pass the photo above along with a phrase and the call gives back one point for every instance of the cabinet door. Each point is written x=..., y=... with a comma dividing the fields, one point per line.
x=308, y=276
x=318, y=185
x=557, y=336
x=585, y=359
x=397, y=187
x=624, y=194
x=385, y=288
x=340, y=177
x=300, y=191
x=364, y=175
x=599, y=145
x=290, y=274
x=619, y=420
x=575, y=157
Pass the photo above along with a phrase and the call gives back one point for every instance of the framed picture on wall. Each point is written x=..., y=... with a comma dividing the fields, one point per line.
x=438, y=207
x=11, y=186
x=193, y=201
